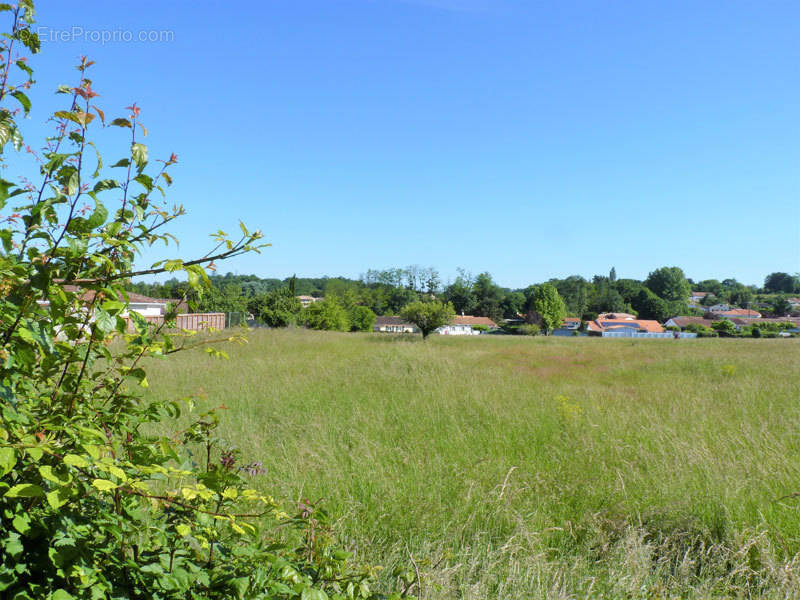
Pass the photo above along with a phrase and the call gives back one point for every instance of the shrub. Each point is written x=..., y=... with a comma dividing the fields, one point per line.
x=481, y=328
x=529, y=329
x=278, y=308
x=92, y=503
x=327, y=314
x=724, y=328
x=362, y=319
x=701, y=330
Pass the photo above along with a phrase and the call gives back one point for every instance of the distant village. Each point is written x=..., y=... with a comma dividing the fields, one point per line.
x=665, y=305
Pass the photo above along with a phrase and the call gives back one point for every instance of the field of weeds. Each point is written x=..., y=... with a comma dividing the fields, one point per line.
x=506, y=467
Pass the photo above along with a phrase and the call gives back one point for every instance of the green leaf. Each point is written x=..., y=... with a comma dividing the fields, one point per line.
x=5, y=186
x=183, y=530
x=145, y=180
x=7, y=460
x=121, y=122
x=23, y=66
x=104, y=321
x=58, y=497
x=98, y=217
x=139, y=154
x=73, y=183
x=25, y=490
x=62, y=595
x=312, y=594
x=23, y=100
x=47, y=472
x=76, y=461
x=22, y=523
x=68, y=115
x=104, y=485
x=99, y=160
x=106, y=184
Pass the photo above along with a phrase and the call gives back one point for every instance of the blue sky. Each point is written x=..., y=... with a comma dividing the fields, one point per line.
x=531, y=140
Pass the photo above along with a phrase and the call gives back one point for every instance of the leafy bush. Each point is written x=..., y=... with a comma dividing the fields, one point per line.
x=278, y=308
x=362, y=319
x=327, y=314
x=724, y=328
x=428, y=316
x=480, y=328
x=701, y=330
x=529, y=329
x=92, y=503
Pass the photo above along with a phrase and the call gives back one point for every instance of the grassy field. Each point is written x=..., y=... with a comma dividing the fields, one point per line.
x=512, y=467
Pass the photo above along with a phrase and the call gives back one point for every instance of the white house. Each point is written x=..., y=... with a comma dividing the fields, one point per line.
x=306, y=300
x=394, y=325
x=463, y=325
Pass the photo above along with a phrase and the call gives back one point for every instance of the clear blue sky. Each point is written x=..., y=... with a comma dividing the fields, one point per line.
x=531, y=140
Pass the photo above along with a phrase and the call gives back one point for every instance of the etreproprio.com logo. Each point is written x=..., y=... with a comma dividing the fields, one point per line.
x=104, y=36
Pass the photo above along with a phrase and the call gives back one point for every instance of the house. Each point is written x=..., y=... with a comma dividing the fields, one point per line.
x=616, y=316
x=719, y=308
x=394, y=325
x=571, y=323
x=794, y=302
x=306, y=300
x=683, y=322
x=736, y=313
x=696, y=298
x=144, y=305
x=154, y=310
x=463, y=325
x=624, y=326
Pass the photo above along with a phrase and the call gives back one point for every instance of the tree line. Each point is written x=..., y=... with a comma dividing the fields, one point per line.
x=352, y=304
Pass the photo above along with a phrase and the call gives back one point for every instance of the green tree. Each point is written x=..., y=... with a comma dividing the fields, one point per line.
x=278, y=308
x=649, y=306
x=327, y=314
x=724, y=327
x=461, y=294
x=100, y=496
x=428, y=316
x=782, y=283
x=607, y=299
x=488, y=298
x=227, y=299
x=781, y=306
x=575, y=291
x=545, y=307
x=741, y=295
x=669, y=283
x=362, y=319
x=713, y=286
x=512, y=305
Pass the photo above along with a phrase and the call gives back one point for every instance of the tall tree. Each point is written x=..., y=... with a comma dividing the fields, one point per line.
x=428, y=316
x=461, y=294
x=669, y=283
x=575, y=291
x=488, y=297
x=782, y=283
x=545, y=307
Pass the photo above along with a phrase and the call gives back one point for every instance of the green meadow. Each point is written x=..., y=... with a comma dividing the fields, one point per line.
x=517, y=467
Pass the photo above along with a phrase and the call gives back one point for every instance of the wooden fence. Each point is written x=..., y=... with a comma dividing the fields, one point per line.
x=190, y=321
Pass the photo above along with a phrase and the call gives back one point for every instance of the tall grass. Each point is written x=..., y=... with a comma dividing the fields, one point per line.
x=525, y=468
